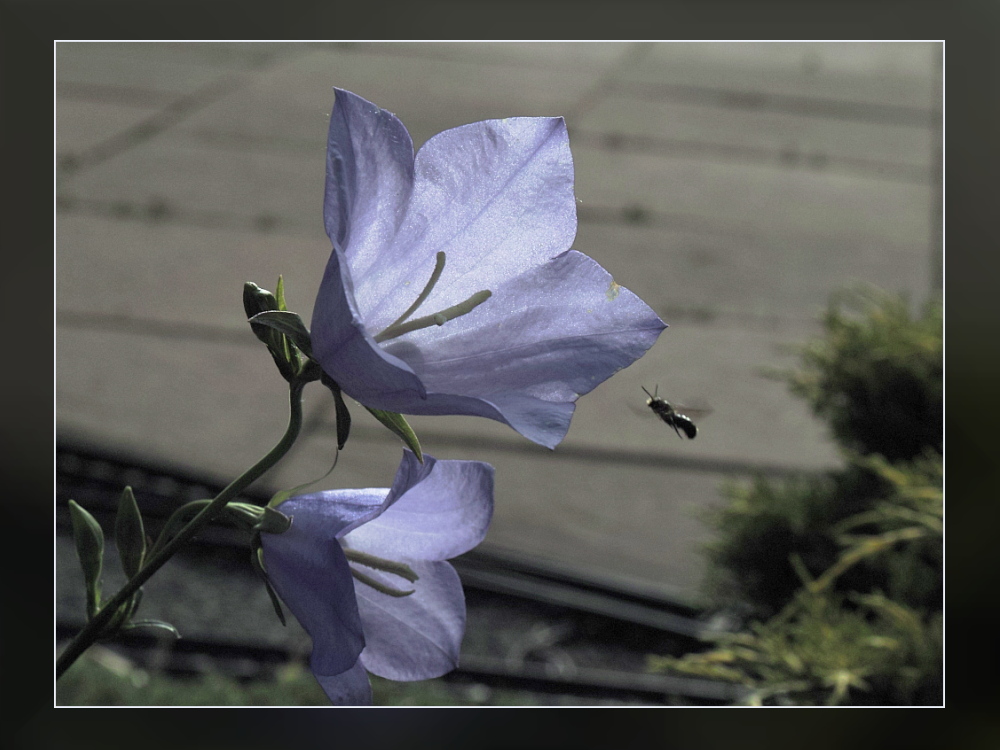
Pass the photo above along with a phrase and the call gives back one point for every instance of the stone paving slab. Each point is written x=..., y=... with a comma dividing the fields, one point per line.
x=172, y=272
x=759, y=135
x=209, y=405
x=895, y=74
x=733, y=187
x=697, y=275
x=83, y=125
x=745, y=197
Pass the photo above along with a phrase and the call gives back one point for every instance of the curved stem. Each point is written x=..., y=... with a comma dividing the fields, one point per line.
x=93, y=629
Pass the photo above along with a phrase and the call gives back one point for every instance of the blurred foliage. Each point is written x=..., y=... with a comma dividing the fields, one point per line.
x=827, y=650
x=102, y=677
x=841, y=573
x=773, y=535
x=876, y=374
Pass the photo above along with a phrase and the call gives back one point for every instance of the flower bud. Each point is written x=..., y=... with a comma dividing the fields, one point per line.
x=283, y=351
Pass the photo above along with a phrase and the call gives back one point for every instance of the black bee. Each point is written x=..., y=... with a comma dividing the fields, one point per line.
x=670, y=415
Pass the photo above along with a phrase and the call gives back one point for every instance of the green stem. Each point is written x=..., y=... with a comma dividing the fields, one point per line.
x=94, y=628
x=176, y=521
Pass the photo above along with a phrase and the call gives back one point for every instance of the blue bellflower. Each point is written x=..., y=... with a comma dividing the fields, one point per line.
x=345, y=568
x=451, y=288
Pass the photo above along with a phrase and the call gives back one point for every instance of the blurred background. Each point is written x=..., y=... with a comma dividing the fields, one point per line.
x=733, y=186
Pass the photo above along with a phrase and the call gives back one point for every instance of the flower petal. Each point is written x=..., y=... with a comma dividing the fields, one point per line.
x=349, y=688
x=414, y=637
x=369, y=175
x=541, y=341
x=495, y=196
x=443, y=514
x=308, y=569
x=347, y=352
x=554, y=333
x=337, y=511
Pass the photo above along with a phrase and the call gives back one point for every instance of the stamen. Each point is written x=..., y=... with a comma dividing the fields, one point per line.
x=379, y=563
x=437, y=319
x=398, y=327
x=378, y=586
x=435, y=275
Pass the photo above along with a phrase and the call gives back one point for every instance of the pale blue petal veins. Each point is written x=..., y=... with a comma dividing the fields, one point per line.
x=369, y=175
x=415, y=637
x=496, y=197
x=445, y=513
x=552, y=333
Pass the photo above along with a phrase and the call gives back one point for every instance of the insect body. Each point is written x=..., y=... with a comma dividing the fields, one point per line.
x=670, y=415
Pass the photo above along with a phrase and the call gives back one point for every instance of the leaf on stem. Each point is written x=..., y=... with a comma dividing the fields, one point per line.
x=130, y=536
x=89, y=539
x=157, y=624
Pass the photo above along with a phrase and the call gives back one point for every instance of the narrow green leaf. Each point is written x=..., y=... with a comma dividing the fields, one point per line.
x=397, y=424
x=157, y=624
x=130, y=537
x=89, y=540
x=288, y=323
x=279, y=294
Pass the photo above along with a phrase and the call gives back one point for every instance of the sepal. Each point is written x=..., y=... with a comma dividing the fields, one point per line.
x=343, y=415
x=89, y=540
x=288, y=323
x=255, y=518
x=398, y=424
x=257, y=559
x=130, y=536
x=273, y=521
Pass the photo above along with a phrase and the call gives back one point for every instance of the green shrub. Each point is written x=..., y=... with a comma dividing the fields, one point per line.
x=842, y=572
x=827, y=650
x=876, y=375
x=772, y=534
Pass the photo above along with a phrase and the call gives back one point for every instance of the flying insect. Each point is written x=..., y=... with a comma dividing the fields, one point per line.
x=662, y=408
